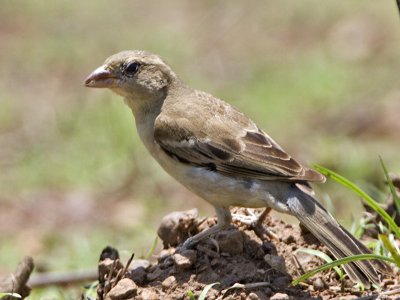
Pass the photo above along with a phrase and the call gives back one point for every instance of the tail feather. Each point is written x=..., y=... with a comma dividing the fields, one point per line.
x=338, y=240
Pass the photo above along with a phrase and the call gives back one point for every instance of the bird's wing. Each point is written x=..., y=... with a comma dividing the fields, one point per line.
x=229, y=143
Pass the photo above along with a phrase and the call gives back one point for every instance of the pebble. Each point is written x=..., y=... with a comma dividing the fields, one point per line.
x=184, y=260
x=282, y=281
x=148, y=294
x=154, y=275
x=289, y=239
x=125, y=289
x=319, y=284
x=168, y=282
x=230, y=242
x=276, y=262
x=139, y=263
x=138, y=275
x=253, y=296
x=349, y=297
x=280, y=296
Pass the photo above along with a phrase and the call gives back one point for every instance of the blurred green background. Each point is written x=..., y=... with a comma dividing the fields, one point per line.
x=321, y=77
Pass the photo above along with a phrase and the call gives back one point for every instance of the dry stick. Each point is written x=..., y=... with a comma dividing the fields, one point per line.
x=128, y=264
x=117, y=279
x=45, y=279
x=299, y=268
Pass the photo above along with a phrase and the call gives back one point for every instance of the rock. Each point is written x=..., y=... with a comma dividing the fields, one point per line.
x=154, y=275
x=139, y=263
x=177, y=227
x=208, y=276
x=349, y=297
x=319, y=284
x=282, y=281
x=280, y=296
x=184, y=260
x=165, y=254
x=252, y=296
x=257, y=295
x=148, y=294
x=125, y=289
x=230, y=242
x=289, y=239
x=138, y=275
x=168, y=282
x=276, y=262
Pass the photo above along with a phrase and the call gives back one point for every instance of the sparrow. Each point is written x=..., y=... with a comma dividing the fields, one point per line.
x=221, y=155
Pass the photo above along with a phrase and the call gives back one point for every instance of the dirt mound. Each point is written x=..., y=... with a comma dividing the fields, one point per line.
x=241, y=263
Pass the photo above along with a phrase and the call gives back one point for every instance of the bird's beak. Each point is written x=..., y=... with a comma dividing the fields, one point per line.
x=101, y=78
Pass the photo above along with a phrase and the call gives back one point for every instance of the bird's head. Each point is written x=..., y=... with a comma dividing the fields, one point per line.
x=136, y=75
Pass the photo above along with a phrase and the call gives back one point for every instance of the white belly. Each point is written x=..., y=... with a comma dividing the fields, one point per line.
x=215, y=188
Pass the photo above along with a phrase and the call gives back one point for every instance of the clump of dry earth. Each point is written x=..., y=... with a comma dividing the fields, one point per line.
x=243, y=262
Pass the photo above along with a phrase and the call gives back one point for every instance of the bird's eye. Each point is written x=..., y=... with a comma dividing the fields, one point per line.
x=132, y=68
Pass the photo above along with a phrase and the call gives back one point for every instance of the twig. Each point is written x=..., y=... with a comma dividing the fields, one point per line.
x=128, y=264
x=75, y=277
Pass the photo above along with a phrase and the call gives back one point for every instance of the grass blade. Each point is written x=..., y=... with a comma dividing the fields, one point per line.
x=396, y=198
x=367, y=199
x=323, y=256
x=388, y=245
x=152, y=249
x=340, y=262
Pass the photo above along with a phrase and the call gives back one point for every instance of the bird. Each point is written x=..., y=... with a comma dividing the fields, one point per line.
x=220, y=154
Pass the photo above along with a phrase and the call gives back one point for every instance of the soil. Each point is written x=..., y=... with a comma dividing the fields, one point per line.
x=242, y=262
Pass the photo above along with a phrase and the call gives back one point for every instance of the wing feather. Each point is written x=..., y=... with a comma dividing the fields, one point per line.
x=239, y=149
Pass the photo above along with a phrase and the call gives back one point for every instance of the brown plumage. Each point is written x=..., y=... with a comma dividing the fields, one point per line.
x=220, y=154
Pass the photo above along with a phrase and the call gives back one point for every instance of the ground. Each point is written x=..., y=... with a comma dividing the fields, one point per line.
x=242, y=263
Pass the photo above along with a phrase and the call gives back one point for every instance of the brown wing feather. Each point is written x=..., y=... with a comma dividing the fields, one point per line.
x=229, y=143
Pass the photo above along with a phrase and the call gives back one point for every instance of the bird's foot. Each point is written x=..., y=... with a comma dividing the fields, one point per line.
x=255, y=221
x=193, y=240
x=250, y=219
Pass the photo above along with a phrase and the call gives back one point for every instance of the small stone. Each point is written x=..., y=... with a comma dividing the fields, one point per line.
x=319, y=284
x=349, y=297
x=276, y=262
x=164, y=254
x=288, y=239
x=282, y=281
x=138, y=275
x=177, y=226
x=185, y=259
x=148, y=294
x=230, y=242
x=208, y=276
x=154, y=275
x=280, y=296
x=139, y=263
x=168, y=282
x=214, y=262
x=252, y=296
x=229, y=280
x=124, y=289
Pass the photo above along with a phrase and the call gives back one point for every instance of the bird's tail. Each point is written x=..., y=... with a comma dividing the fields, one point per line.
x=339, y=241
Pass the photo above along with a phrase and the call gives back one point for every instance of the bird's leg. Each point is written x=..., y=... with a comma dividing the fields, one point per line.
x=255, y=222
x=224, y=219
